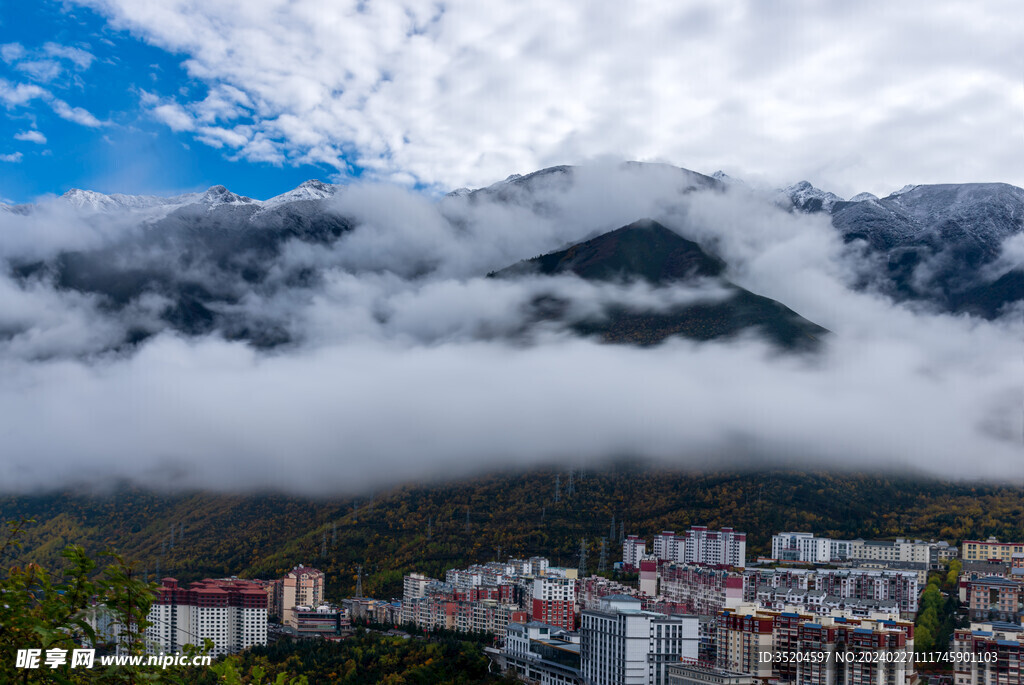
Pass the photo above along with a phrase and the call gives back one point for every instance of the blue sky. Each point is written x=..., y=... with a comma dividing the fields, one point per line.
x=127, y=150
x=177, y=95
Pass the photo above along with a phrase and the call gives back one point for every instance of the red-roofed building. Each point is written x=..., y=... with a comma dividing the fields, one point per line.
x=303, y=586
x=231, y=612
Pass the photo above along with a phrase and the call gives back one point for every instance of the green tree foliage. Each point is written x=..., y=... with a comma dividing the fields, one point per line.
x=368, y=657
x=43, y=610
x=936, y=615
x=424, y=527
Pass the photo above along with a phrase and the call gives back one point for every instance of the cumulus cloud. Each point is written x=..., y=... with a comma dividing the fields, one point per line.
x=406, y=362
x=31, y=136
x=856, y=97
x=22, y=94
x=13, y=157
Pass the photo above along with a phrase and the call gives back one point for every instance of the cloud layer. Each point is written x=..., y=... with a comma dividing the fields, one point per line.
x=406, y=363
x=856, y=97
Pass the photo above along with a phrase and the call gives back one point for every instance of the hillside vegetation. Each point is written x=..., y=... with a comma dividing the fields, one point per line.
x=426, y=528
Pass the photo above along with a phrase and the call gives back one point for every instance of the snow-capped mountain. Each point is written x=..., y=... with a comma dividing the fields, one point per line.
x=804, y=197
x=215, y=196
x=202, y=254
x=308, y=190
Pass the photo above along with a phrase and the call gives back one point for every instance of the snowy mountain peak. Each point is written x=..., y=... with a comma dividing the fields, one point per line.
x=805, y=197
x=219, y=195
x=90, y=200
x=307, y=190
x=904, y=190
x=861, y=197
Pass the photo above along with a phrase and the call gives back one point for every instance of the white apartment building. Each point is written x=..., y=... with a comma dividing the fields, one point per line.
x=699, y=545
x=414, y=586
x=633, y=549
x=230, y=612
x=805, y=547
x=620, y=644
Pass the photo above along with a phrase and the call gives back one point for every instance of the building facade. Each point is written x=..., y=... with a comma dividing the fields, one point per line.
x=621, y=644
x=699, y=545
x=230, y=612
x=303, y=586
x=990, y=550
x=633, y=549
x=702, y=589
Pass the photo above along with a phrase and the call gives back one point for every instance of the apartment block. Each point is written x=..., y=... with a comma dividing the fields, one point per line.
x=302, y=586
x=844, y=583
x=990, y=550
x=541, y=653
x=693, y=674
x=554, y=601
x=994, y=598
x=989, y=653
x=621, y=644
x=701, y=589
x=230, y=612
x=633, y=549
x=749, y=633
x=702, y=546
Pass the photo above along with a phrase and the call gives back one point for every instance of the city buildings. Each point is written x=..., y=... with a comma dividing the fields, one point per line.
x=633, y=549
x=881, y=648
x=692, y=674
x=541, y=653
x=230, y=612
x=701, y=589
x=554, y=601
x=322, y=621
x=621, y=644
x=994, y=598
x=989, y=653
x=843, y=583
x=991, y=549
x=303, y=586
x=807, y=548
x=702, y=546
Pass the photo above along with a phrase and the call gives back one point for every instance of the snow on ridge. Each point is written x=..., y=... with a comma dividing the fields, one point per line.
x=312, y=189
x=807, y=198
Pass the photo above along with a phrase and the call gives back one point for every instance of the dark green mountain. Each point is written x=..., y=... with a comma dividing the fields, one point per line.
x=648, y=251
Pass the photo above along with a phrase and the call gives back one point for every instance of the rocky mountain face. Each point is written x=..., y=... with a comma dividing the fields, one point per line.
x=192, y=261
x=933, y=242
x=648, y=251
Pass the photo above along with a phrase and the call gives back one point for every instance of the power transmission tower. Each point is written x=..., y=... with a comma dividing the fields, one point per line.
x=334, y=533
x=172, y=536
x=602, y=564
x=622, y=532
x=543, y=512
x=558, y=488
x=430, y=528
x=570, y=489
x=359, y=581
x=323, y=544
x=467, y=519
x=611, y=535
x=583, y=558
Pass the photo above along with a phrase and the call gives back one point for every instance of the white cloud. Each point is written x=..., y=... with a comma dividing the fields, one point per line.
x=406, y=365
x=32, y=136
x=76, y=114
x=853, y=96
x=21, y=94
x=77, y=56
x=13, y=157
x=11, y=52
